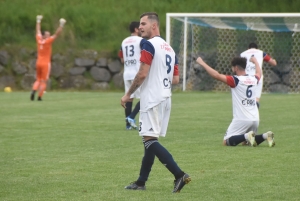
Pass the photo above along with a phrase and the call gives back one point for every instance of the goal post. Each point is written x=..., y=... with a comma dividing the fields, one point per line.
x=218, y=37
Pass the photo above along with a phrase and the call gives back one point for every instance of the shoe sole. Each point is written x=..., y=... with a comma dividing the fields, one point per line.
x=187, y=180
x=270, y=139
x=252, y=139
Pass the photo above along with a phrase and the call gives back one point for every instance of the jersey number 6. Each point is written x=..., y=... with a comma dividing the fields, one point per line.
x=249, y=91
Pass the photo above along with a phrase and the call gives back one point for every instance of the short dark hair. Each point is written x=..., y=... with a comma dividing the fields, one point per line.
x=252, y=45
x=151, y=16
x=241, y=62
x=134, y=25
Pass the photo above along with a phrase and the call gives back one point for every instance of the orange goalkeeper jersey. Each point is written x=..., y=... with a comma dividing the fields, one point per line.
x=44, y=49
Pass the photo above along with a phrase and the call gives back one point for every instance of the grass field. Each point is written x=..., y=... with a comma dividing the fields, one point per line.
x=74, y=146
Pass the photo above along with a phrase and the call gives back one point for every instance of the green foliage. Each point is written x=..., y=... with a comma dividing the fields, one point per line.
x=54, y=83
x=103, y=24
x=74, y=146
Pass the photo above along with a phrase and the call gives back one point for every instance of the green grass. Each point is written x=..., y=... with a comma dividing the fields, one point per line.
x=74, y=146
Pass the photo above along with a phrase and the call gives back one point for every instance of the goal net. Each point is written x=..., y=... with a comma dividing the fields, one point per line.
x=217, y=38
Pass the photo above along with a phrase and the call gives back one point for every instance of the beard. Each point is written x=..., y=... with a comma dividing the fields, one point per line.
x=146, y=35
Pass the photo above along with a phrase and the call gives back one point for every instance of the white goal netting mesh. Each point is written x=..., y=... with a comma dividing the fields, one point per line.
x=219, y=39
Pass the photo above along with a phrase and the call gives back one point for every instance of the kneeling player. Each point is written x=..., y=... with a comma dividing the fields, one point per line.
x=245, y=120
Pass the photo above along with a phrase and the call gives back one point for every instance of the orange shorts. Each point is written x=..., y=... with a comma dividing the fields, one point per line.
x=43, y=71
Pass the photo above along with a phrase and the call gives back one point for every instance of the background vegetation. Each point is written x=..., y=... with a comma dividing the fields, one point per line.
x=102, y=24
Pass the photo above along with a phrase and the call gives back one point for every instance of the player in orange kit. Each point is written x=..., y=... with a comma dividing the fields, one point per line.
x=44, y=50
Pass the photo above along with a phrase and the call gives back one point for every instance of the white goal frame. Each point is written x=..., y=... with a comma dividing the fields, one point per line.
x=187, y=15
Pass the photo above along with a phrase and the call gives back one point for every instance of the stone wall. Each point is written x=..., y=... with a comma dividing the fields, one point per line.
x=84, y=70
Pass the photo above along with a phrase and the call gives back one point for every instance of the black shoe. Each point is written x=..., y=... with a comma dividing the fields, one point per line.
x=39, y=99
x=179, y=183
x=32, y=96
x=134, y=186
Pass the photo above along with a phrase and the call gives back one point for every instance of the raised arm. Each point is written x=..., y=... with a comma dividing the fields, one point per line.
x=272, y=62
x=269, y=59
x=257, y=67
x=212, y=72
x=62, y=22
x=38, y=24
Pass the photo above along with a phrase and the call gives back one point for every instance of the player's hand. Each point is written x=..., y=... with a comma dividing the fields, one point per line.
x=124, y=100
x=200, y=60
x=62, y=22
x=39, y=18
x=253, y=59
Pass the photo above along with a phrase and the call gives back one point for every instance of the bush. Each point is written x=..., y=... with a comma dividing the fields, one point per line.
x=102, y=24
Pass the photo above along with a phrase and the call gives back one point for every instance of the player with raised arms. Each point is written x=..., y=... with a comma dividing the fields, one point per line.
x=44, y=50
x=244, y=124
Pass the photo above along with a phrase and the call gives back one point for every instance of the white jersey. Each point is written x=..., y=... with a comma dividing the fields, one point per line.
x=258, y=54
x=131, y=53
x=243, y=97
x=157, y=85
